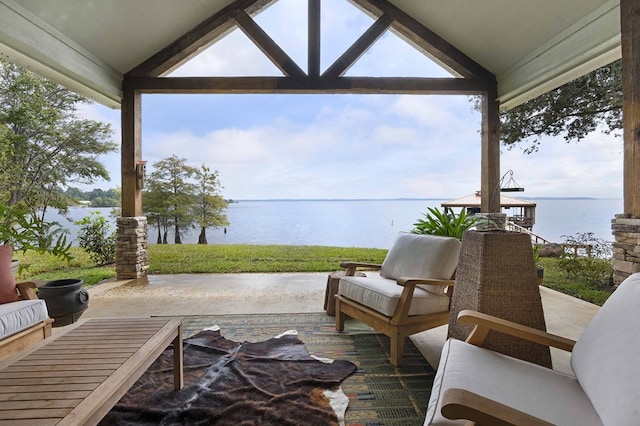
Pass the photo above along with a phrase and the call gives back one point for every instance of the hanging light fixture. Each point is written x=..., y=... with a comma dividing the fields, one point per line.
x=511, y=185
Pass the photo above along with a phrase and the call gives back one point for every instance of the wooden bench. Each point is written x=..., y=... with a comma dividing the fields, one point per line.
x=76, y=376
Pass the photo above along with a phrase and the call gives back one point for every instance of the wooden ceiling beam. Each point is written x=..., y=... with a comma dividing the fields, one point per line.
x=425, y=40
x=268, y=46
x=291, y=85
x=313, y=38
x=202, y=36
x=359, y=47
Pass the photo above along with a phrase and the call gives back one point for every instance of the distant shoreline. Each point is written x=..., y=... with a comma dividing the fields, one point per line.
x=405, y=199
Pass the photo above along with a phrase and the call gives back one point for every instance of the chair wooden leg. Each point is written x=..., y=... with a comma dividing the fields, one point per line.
x=397, y=349
x=340, y=317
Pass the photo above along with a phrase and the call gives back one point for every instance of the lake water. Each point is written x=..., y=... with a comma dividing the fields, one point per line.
x=369, y=223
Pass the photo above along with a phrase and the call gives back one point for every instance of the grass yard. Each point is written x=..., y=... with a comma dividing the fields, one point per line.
x=200, y=259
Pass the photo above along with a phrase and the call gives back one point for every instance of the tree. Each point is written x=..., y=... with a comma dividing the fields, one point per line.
x=44, y=145
x=573, y=110
x=210, y=206
x=156, y=209
x=171, y=179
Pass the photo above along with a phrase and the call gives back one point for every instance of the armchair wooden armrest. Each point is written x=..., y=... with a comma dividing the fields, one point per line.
x=403, y=281
x=462, y=404
x=484, y=323
x=352, y=266
x=25, y=290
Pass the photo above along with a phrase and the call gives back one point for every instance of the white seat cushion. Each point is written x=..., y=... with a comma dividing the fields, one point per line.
x=605, y=358
x=382, y=295
x=422, y=256
x=547, y=394
x=18, y=316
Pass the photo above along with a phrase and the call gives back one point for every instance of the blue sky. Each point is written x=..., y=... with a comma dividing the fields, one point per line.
x=346, y=146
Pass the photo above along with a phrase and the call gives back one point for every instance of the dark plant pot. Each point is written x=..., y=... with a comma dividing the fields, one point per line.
x=66, y=300
x=540, y=272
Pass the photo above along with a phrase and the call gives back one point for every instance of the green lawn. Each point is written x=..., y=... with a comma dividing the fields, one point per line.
x=196, y=259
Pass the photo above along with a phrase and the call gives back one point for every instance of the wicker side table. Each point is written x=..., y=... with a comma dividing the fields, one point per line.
x=496, y=275
x=333, y=280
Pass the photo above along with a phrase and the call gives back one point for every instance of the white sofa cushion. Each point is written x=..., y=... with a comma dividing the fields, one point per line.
x=20, y=315
x=530, y=388
x=422, y=256
x=605, y=358
x=383, y=295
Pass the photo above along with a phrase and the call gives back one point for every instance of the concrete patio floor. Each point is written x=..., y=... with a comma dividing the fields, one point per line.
x=220, y=294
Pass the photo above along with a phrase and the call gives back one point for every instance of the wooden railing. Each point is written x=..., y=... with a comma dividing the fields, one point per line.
x=576, y=250
x=535, y=239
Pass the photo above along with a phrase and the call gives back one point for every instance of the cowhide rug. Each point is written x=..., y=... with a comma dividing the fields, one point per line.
x=275, y=382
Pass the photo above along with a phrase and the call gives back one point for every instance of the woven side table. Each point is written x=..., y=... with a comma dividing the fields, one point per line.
x=496, y=275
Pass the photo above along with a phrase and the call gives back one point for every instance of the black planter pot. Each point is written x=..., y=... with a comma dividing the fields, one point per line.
x=66, y=300
x=540, y=272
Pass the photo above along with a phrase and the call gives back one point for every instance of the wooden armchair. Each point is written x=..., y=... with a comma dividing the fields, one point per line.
x=409, y=295
x=487, y=388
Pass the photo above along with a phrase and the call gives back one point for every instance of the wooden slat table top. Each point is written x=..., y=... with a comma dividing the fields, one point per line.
x=75, y=377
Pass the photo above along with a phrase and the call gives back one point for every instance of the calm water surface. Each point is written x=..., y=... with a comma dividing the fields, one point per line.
x=370, y=223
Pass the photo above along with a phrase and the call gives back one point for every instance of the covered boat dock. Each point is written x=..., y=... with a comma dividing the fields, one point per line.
x=520, y=212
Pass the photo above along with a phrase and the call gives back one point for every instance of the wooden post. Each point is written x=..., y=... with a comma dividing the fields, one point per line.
x=630, y=33
x=490, y=169
x=131, y=245
x=626, y=226
x=131, y=151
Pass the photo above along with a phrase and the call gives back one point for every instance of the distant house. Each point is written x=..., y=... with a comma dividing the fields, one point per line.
x=520, y=212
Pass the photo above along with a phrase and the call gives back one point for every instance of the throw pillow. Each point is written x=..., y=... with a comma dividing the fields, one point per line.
x=7, y=282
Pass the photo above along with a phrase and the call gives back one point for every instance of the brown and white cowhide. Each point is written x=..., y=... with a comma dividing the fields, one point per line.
x=275, y=382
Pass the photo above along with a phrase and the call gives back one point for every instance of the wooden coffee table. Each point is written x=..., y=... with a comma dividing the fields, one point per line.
x=76, y=376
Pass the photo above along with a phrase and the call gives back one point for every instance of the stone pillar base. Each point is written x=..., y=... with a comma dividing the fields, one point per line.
x=132, y=259
x=626, y=247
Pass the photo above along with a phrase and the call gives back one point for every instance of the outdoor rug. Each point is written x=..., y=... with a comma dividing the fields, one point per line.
x=379, y=394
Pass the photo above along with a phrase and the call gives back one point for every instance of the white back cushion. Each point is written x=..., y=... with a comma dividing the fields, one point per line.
x=421, y=256
x=606, y=358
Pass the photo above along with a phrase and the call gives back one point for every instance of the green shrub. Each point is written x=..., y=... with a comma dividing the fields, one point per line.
x=595, y=270
x=444, y=222
x=95, y=238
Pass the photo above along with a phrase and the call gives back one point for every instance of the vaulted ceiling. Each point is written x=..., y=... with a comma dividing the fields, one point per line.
x=529, y=46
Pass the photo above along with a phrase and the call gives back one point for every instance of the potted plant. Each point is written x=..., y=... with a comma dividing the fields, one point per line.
x=539, y=267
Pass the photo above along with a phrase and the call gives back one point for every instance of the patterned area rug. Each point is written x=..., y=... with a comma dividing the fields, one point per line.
x=379, y=393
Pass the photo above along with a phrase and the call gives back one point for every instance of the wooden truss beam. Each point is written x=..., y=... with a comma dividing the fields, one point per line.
x=269, y=47
x=269, y=85
x=198, y=39
x=351, y=55
x=425, y=40
x=313, y=38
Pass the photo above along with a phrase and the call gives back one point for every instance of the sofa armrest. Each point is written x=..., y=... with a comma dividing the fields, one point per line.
x=25, y=289
x=484, y=323
x=462, y=404
x=352, y=266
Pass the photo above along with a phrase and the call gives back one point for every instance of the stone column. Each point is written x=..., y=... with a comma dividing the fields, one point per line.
x=132, y=260
x=626, y=247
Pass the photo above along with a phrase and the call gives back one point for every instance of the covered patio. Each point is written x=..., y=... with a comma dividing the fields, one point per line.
x=504, y=52
x=116, y=53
